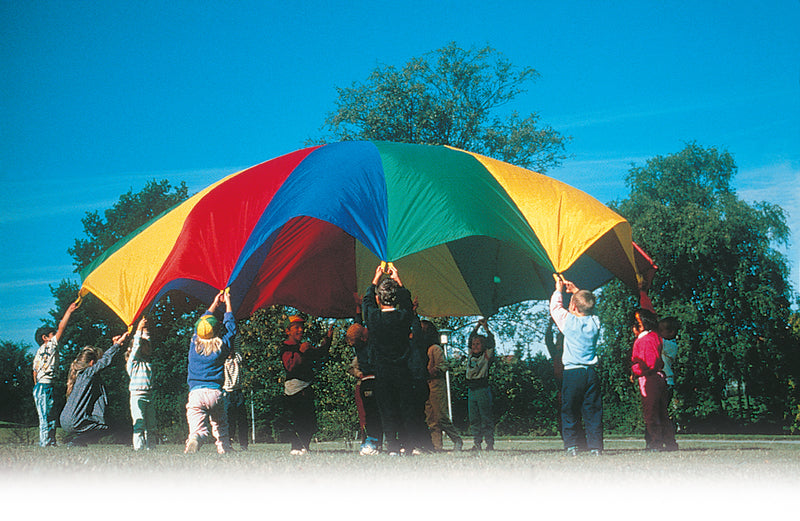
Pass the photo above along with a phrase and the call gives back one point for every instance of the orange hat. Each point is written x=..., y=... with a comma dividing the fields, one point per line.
x=292, y=320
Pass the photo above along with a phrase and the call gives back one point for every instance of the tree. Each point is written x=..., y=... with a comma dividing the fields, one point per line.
x=133, y=210
x=453, y=96
x=94, y=323
x=450, y=96
x=720, y=275
x=16, y=384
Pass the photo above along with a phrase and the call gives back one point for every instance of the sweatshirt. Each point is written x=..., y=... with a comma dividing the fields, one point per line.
x=207, y=372
x=581, y=334
x=86, y=405
x=139, y=369
x=45, y=361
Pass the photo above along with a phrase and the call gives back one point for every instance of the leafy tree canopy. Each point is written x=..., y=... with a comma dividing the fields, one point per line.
x=720, y=274
x=450, y=96
x=128, y=214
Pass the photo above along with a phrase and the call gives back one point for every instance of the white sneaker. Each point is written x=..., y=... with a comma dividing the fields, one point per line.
x=298, y=452
x=368, y=450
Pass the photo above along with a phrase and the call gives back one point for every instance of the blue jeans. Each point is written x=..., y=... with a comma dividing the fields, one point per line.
x=479, y=407
x=581, y=399
x=43, y=398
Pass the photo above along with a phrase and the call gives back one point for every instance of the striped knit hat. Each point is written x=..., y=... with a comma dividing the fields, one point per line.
x=205, y=326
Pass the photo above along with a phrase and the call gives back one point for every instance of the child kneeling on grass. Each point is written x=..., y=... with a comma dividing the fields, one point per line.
x=83, y=417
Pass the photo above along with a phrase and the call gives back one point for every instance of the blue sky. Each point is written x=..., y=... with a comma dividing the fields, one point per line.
x=96, y=98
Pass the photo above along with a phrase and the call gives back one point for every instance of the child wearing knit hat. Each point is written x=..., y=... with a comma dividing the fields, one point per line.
x=206, y=376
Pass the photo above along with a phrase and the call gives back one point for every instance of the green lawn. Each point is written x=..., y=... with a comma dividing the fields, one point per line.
x=720, y=475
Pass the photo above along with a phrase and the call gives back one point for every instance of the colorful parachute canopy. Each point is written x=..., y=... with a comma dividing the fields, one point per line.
x=467, y=233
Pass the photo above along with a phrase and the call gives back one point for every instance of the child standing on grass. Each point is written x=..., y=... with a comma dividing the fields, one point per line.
x=388, y=314
x=207, y=354
x=437, y=415
x=137, y=363
x=83, y=417
x=647, y=368
x=668, y=330
x=580, y=388
x=298, y=359
x=479, y=394
x=237, y=414
x=369, y=417
x=44, y=365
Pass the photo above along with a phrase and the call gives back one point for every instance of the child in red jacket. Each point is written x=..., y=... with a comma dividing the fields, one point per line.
x=647, y=367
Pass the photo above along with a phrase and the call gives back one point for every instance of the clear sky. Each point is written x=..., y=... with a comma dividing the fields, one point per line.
x=96, y=98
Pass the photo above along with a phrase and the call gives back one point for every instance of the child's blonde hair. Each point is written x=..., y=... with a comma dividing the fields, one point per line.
x=584, y=301
x=207, y=346
x=82, y=361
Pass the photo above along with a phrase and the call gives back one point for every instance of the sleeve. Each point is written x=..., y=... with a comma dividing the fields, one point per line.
x=557, y=310
x=490, y=345
x=230, y=326
x=369, y=307
x=404, y=304
x=37, y=362
x=291, y=359
x=324, y=345
x=644, y=301
x=137, y=340
x=436, y=363
x=549, y=341
x=416, y=331
x=353, y=369
x=45, y=358
x=105, y=360
x=638, y=365
x=646, y=356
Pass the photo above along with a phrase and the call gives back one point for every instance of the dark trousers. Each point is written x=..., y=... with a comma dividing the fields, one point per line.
x=659, y=432
x=420, y=435
x=237, y=417
x=581, y=399
x=370, y=416
x=393, y=390
x=303, y=417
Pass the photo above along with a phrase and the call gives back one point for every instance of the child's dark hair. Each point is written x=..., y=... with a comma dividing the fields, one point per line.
x=430, y=334
x=145, y=349
x=42, y=331
x=387, y=292
x=647, y=320
x=669, y=324
x=82, y=361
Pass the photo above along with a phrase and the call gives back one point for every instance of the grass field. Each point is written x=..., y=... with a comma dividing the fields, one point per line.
x=734, y=477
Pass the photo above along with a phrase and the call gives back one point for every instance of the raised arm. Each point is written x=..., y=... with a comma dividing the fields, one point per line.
x=227, y=320
x=557, y=310
x=64, y=320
